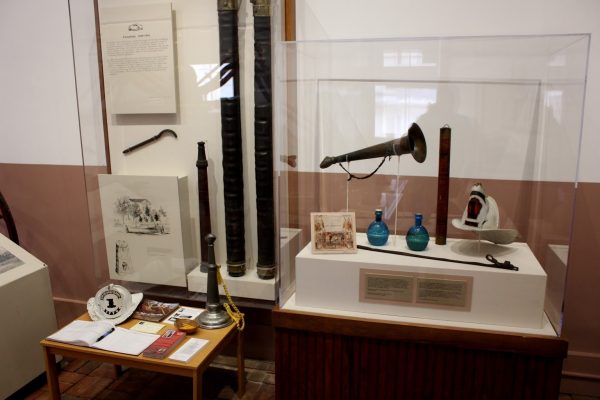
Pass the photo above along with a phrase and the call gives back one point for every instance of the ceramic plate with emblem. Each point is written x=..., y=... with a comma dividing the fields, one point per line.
x=113, y=303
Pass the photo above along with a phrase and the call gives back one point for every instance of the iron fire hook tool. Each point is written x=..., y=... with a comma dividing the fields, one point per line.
x=148, y=141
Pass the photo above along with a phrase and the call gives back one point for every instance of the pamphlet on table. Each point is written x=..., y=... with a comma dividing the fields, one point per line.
x=188, y=349
x=183, y=312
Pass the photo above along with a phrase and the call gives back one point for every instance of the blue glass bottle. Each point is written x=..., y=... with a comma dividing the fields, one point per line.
x=378, y=231
x=417, y=236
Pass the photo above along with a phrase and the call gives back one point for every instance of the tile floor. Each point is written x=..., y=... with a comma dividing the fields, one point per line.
x=81, y=380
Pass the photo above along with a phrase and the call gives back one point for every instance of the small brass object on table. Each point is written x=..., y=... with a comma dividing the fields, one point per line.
x=186, y=325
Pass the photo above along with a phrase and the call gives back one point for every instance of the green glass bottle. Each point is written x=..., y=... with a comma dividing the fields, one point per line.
x=417, y=236
x=378, y=232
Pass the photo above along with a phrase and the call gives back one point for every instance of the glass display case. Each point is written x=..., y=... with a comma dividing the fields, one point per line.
x=514, y=106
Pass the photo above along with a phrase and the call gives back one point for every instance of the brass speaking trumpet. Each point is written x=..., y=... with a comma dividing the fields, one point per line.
x=412, y=142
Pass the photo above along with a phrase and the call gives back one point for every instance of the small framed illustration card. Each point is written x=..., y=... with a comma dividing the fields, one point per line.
x=333, y=232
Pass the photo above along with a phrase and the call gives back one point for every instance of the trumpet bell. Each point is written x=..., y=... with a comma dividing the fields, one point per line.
x=416, y=143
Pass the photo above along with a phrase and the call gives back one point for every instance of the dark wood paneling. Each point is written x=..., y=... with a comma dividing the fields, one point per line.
x=327, y=357
x=387, y=330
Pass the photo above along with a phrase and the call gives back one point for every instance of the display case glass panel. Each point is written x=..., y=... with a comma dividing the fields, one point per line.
x=514, y=106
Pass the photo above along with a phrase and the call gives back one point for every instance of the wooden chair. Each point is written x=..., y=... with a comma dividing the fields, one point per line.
x=8, y=220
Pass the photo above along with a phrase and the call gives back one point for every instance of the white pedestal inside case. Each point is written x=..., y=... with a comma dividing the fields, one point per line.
x=249, y=285
x=498, y=296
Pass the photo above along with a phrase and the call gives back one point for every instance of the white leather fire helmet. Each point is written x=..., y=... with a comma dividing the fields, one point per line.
x=481, y=215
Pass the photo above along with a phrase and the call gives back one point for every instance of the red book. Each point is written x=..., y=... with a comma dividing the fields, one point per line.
x=164, y=344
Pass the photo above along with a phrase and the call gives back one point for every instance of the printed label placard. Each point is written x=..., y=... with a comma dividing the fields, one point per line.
x=394, y=288
x=444, y=292
x=416, y=289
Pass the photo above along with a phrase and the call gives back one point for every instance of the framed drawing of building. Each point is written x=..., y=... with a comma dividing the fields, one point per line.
x=142, y=222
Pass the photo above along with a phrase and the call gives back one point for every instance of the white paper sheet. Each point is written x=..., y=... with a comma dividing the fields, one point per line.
x=147, y=327
x=126, y=341
x=189, y=348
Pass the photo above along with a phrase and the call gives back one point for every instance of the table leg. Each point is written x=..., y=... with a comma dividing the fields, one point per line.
x=240, y=365
x=197, y=382
x=51, y=374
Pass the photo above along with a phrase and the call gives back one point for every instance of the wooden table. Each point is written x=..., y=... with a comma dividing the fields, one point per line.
x=217, y=340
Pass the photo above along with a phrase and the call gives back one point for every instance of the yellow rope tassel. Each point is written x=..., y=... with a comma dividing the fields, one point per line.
x=235, y=314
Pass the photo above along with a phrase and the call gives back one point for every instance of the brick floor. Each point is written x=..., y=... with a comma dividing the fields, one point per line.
x=83, y=380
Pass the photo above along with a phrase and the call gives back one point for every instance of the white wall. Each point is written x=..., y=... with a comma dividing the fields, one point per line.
x=352, y=19
x=38, y=104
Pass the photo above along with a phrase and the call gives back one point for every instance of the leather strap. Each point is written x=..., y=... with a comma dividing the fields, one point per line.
x=493, y=262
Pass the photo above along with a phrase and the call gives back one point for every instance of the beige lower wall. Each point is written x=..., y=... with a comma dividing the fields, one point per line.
x=50, y=208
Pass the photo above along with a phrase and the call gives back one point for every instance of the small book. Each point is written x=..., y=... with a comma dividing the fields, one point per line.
x=154, y=311
x=103, y=335
x=164, y=344
x=83, y=333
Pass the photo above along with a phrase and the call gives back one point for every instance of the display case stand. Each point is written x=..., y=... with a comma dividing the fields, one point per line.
x=326, y=356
